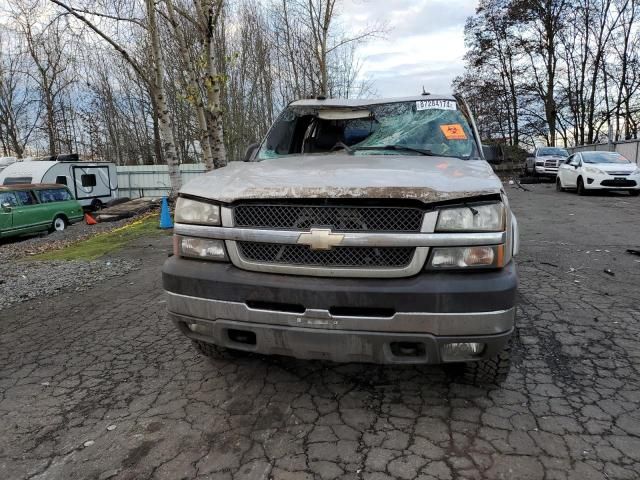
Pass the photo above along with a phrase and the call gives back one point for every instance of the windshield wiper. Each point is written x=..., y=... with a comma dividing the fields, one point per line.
x=400, y=148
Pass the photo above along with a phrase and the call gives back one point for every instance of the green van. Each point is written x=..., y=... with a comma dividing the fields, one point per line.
x=36, y=208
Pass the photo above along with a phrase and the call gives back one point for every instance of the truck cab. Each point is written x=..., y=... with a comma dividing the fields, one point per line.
x=356, y=231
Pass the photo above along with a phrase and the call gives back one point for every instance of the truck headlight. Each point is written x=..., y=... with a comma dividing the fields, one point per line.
x=195, y=212
x=202, y=248
x=464, y=257
x=472, y=218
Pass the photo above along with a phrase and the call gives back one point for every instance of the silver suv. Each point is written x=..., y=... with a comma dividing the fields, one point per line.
x=357, y=231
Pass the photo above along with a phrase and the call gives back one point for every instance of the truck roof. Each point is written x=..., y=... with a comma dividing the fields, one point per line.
x=30, y=186
x=363, y=102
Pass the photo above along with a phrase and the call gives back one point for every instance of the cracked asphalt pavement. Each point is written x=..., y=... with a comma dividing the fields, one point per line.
x=100, y=385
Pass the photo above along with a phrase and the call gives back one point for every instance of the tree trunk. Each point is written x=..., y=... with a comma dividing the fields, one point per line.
x=214, y=86
x=165, y=125
x=51, y=126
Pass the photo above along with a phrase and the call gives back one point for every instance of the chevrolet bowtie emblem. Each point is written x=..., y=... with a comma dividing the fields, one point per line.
x=320, y=239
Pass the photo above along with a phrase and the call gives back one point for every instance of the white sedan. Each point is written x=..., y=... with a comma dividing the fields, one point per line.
x=585, y=171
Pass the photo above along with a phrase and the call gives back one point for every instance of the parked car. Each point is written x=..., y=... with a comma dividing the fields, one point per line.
x=93, y=184
x=545, y=161
x=586, y=171
x=36, y=208
x=358, y=231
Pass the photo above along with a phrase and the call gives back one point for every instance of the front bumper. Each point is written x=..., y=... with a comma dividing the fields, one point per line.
x=611, y=182
x=546, y=171
x=341, y=319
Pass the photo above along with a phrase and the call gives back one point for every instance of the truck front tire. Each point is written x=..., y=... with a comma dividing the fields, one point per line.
x=490, y=371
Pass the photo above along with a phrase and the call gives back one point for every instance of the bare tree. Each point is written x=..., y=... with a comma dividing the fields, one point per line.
x=155, y=82
x=19, y=108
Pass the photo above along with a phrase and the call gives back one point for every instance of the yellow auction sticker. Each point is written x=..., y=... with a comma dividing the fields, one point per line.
x=453, y=131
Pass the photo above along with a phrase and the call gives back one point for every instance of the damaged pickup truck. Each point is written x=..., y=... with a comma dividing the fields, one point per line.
x=358, y=231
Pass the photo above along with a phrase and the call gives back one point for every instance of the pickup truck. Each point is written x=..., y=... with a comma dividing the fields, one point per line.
x=357, y=231
x=545, y=162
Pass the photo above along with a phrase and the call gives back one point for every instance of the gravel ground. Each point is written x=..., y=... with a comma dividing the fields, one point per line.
x=13, y=248
x=22, y=281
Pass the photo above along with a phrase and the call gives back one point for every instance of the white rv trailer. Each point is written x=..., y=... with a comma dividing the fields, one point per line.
x=93, y=184
x=6, y=161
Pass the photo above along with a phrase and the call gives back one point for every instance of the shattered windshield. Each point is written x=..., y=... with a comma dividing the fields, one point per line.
x=427, y=127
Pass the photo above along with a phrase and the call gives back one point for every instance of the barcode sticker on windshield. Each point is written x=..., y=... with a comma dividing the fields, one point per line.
x=436, y=105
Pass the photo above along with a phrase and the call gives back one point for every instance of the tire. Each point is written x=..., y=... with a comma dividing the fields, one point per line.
x=215, y=352
x=559, y=187
x=634, y=193
x=580, y=187
x=59, y=224
x=490, y=371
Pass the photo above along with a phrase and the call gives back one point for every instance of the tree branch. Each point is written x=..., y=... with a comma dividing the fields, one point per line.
x=112, y=17
x=138, y=69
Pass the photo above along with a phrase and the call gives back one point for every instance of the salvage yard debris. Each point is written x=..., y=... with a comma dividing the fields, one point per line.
x=129, y=209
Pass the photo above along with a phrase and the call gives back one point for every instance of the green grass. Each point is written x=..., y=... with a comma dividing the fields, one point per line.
x=104, y=243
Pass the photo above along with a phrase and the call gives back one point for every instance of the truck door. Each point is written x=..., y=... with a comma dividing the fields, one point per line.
x=8, y=202
x=30, y=215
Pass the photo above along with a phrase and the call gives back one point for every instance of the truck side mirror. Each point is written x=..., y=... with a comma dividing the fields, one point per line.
x=6, y=206
x=492, y=154
x=248, y=153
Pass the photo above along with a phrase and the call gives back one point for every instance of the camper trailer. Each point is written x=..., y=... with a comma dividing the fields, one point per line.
x=93, y=184
x=6, y=161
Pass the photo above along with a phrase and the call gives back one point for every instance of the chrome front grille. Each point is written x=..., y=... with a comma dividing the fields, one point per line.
x=339, y=257
x=551, y=164
x=337, y=218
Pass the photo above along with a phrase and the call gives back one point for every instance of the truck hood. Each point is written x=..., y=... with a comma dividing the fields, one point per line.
x=429, y=179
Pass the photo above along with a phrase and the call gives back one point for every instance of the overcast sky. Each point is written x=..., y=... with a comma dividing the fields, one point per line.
x=424, y=44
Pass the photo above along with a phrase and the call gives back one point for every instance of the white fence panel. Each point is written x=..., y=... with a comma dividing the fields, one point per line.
x=629, y=148
x=136, y=181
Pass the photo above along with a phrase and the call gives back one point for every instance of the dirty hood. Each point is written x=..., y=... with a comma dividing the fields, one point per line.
x=428, y=179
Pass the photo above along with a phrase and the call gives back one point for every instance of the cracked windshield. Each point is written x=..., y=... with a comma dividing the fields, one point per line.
x=428, y=127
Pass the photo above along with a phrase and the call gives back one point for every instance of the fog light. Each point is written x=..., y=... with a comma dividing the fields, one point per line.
x=485, y=256
x=200, y=329
x=461, y=351
x=203, y=248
